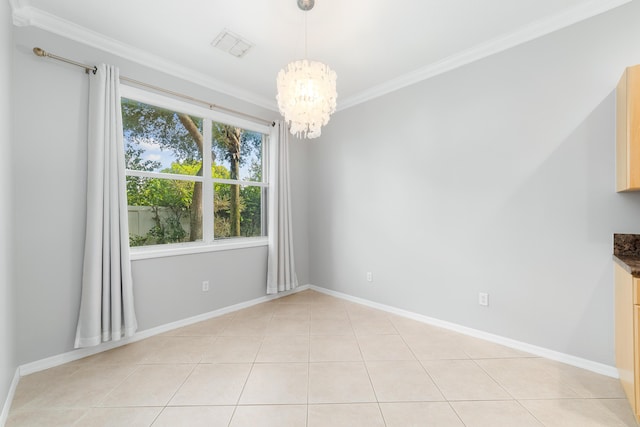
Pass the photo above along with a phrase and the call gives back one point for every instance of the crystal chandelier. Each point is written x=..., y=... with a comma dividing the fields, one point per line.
x=306, y=91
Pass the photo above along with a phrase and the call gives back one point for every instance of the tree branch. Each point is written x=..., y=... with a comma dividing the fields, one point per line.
x=191, y=127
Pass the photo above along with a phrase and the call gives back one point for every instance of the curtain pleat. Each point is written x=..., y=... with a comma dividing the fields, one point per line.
x=106, y=306
x=281, y=272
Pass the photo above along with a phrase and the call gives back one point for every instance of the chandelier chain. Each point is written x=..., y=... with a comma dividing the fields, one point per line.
x=306, y=55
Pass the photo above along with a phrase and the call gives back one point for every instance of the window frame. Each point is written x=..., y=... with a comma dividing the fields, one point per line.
x=209, y=243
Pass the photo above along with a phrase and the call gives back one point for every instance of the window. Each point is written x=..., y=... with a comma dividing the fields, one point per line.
x=194, y=176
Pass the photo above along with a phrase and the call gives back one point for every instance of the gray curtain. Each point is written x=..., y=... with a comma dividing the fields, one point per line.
x=281, y=269
x=106, y=307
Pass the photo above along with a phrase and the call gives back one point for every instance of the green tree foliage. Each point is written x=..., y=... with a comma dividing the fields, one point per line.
x=170, y=200
x=251, y=224
x=237, y=211
x=235, y=146
x=143, y=122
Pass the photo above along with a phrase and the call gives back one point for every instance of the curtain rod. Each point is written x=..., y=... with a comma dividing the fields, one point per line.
x=93, y=69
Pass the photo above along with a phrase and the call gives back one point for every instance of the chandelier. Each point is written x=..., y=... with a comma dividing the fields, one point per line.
x=306, y=91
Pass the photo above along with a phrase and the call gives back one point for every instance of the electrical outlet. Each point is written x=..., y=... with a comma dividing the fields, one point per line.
x=483, y=299
x=369, y=276
x=205, y=286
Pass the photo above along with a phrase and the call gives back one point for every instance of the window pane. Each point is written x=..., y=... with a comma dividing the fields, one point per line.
x=238, y=211
x=236, y=152
x=160, y=140
x=163, y=211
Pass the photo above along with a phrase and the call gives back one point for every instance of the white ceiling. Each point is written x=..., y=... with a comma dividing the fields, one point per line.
x=374, y=46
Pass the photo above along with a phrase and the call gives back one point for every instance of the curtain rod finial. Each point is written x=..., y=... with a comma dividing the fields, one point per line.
x=39, y=52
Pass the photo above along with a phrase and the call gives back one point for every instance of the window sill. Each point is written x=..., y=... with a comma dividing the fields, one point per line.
x=159, y=251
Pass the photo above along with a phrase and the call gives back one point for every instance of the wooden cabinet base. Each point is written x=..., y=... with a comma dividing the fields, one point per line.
x=627, y=325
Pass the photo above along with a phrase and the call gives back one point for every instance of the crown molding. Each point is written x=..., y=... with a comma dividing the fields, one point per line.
x=19, y=20
x=483, y=50
x=30, y=16
x=25, y=15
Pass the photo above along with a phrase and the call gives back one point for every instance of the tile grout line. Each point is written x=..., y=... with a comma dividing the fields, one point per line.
x=426, y=371
x=456, y=412
x=157, y=416
x=193, y=368
x=529, y=412
x=309, y=404
x=364, y=362
x=549, y=370
x=448, y=402
x=137, y=367
x=253, y=364
x=495, y=380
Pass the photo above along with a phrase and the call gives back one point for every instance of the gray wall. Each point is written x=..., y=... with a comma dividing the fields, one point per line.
x=496, y=177
x=50, y=153
x=169, y=289
x=8, y=361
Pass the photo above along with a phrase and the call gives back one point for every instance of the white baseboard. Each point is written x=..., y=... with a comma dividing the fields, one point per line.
x=61, y=359
x=590, y=365
x=4, y=414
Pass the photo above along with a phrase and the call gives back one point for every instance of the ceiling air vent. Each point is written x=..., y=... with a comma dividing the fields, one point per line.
x=231, y=43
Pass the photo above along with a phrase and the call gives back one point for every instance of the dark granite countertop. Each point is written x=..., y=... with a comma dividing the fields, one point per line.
x=626, y=252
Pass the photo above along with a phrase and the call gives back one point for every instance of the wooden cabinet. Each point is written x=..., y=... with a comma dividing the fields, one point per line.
x=628, y=130
x=627, y=327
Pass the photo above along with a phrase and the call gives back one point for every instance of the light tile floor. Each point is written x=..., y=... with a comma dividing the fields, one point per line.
x=311, y=360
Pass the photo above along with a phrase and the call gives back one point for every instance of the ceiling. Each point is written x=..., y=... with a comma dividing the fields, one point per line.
x=374, y=46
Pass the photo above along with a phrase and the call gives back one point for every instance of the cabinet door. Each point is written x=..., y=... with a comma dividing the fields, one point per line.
x=628, y=130
x=625, y=336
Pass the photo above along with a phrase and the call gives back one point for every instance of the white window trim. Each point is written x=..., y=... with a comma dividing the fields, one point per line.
x=188, y=248
x=177, y=249
x=147, y=174
x=164, y=101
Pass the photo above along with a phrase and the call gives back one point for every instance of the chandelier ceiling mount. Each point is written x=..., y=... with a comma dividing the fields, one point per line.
x=306, y=4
